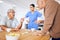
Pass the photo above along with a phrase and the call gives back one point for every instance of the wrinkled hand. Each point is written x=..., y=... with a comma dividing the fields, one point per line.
x=27, y=21
x=37, y=22
x=21, y=20
x=15, y=29
x=39, y=33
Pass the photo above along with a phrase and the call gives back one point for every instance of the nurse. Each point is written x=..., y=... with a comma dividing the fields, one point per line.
x=33, y=16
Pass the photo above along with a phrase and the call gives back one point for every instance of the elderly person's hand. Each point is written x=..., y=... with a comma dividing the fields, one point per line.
x=40, y=33
x=21, y=20
x=15, y=30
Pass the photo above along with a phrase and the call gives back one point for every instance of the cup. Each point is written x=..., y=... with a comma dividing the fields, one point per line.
x=32, y=29
x=12, y=36
x=8, y=29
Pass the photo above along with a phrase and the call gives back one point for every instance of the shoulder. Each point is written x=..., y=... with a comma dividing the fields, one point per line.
x=5, y=18
x=51, y=6
x=29, y=12
x=38, y=12
x=52, y=2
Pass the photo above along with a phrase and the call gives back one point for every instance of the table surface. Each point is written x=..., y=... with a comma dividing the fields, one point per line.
x=25, y=35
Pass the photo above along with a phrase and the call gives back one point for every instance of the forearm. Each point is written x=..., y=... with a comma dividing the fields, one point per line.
x=19, y=26
x=3, y=27
x=39, y=21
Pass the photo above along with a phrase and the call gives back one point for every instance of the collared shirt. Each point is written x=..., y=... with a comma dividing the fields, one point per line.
x=32, y=18
x=9, y=23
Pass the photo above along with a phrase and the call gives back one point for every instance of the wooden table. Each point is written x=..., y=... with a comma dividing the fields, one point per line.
x=25, y=35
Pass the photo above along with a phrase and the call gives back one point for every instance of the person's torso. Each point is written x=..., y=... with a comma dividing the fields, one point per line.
x=55, y=29
x=33, y=16
x=52, y=12
x=10, y=23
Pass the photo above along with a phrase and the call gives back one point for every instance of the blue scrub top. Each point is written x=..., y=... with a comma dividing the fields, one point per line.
x=32, y=18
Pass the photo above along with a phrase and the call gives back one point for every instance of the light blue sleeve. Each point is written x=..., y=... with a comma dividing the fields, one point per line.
x=2, y=21
x=39, y=14
x=27, y=15
x=42, y=18
x=16, y=23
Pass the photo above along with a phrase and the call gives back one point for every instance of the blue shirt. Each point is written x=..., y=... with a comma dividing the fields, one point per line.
x=9, y=23
x=32, y=18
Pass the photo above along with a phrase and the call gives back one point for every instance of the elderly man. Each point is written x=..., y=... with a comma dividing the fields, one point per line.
x=52, y=18
x=10, y=22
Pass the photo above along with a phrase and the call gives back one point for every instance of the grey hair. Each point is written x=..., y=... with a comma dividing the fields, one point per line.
x=11, y=11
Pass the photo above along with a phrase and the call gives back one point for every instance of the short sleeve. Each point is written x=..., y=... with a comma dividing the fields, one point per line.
x=2, y=21
x=41, y=18
x=27, y=15
x=39, y=14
